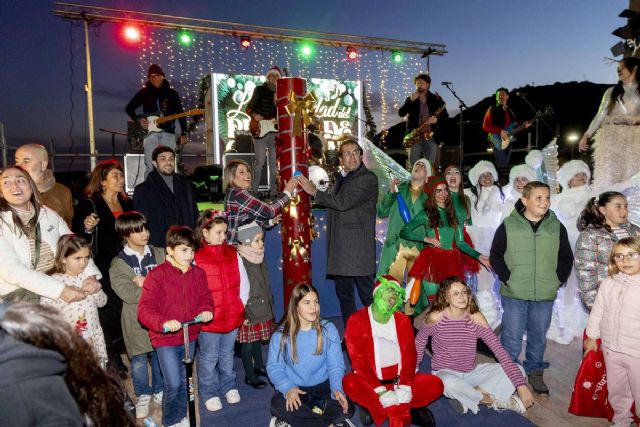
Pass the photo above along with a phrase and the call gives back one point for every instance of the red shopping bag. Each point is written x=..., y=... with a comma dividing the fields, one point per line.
x=589, y=397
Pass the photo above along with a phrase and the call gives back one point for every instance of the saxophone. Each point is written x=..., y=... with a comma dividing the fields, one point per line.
x=422, y=132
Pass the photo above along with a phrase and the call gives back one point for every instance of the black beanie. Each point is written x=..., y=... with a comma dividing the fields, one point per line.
x=155, y=69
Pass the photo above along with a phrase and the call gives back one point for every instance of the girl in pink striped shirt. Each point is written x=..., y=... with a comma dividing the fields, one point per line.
x=455, y=324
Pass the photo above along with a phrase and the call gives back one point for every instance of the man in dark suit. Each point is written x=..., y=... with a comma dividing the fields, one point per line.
x=165, y=197
x=351, y=247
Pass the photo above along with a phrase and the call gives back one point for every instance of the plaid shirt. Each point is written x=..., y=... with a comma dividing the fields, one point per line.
x=242, y=208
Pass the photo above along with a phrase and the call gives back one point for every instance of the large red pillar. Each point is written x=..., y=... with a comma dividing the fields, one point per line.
x=292, y=156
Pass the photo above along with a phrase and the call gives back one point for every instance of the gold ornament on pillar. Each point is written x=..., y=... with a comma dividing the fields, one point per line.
x=292, y=209
x=297, y=248
x=301, y=108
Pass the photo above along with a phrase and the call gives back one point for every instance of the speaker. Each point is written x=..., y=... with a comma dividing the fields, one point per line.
x=447, y=156
x=248, y=157
x=133, y=171
x=135, y=145
x=207, y=183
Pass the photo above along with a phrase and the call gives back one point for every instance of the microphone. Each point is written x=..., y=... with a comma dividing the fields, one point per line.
x=286, y=71
x=446, y=83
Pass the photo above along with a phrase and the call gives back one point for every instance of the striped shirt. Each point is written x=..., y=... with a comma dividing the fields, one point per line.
x=454, y=346
x=46, y=257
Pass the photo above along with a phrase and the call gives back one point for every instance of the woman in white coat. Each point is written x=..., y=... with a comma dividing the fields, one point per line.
x=519, y=176
x=29, y=234
x=569, y=316
x=487, y=202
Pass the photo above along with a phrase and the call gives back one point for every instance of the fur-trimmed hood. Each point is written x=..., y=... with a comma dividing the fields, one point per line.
x=522, y=170
x=483, y=166
x=571, y=169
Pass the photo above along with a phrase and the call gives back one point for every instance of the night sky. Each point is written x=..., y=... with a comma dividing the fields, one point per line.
x=491, y=43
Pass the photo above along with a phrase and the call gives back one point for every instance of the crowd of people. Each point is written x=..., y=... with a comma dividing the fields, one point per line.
x=456, y=263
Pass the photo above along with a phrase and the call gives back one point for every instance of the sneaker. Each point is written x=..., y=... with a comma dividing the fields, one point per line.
x=278, y=422
x=513, y=404
x=157, y=397
x=458, y=406
x=213, y=404
x=537, y=382
x=142, y=406
x=422, y=417
x=344, y=423
x=232, y=396
x=182, y=423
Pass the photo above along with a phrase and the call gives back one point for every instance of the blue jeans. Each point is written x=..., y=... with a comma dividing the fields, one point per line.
x=174, y=400
x=260, y=147
x=140, y=374
x=532, y=317
x=215, y=364
x=424, y=148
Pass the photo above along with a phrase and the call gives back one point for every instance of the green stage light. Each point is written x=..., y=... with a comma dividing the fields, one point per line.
x=307, y=50
x=397, y=57
x=185, y=38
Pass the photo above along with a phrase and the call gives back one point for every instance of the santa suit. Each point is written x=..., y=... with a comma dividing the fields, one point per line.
x=368, y=374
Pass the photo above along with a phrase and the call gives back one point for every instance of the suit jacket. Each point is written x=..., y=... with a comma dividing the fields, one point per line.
x=164, y=208
x=352, y=221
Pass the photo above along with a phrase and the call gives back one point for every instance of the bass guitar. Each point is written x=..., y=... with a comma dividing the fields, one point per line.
x=496, y=141
x=259, y=128
x=154, y=121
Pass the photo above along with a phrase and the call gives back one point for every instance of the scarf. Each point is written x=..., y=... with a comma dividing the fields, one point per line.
x=254, y=256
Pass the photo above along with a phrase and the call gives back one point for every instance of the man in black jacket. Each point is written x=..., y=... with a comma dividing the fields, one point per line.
x=262, y=106
x=165, y=197
x=421, y=106
x=159, y=99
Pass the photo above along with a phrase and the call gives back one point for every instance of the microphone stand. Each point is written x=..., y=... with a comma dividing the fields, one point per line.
x=462, y=106
x=536, y=112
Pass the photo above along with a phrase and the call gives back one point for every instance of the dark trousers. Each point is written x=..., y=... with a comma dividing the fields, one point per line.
x=347, y=297
x=502, y=157
x=251, y=358
x=317, y=395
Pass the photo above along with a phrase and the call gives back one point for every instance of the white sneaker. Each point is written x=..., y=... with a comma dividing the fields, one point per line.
x=232, y=396
x=278, y=422
x=182, y=423
x=157, y=397
x=213, y=404
x=142, y=406
x=514, y=403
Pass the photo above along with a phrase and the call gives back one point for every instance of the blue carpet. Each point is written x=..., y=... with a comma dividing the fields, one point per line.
x=253, y=410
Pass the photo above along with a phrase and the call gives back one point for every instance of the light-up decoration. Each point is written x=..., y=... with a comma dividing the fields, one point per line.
x=132, y=33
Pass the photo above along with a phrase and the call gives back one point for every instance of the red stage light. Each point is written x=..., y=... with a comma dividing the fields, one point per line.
x=353, y=54
x=245, y=42
x=132, y=33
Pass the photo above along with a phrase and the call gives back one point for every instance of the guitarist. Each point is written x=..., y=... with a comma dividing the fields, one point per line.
x=157, y=98
x=420, y=106
x=496, y=120
x=262, y=106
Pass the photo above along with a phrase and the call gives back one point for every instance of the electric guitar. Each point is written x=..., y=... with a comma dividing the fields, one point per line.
x=259, y=128
x=502, y=144
x=153, y=121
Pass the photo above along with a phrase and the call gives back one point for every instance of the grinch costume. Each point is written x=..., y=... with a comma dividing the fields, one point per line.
x=383, y=359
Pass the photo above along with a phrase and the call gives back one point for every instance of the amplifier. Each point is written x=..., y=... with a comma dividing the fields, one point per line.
x=133, y=171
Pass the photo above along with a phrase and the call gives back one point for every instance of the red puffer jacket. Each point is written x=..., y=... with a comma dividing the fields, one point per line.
x=220, y=262
x=170, y=294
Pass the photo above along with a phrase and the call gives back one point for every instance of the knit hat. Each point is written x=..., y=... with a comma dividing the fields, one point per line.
x=571, y=169
x=432, y=183
x=274, y=69
x=483, y=166
x=247, y=232
x=427, y=166
x=522, y=170
x=155, y=69
x=388, y=279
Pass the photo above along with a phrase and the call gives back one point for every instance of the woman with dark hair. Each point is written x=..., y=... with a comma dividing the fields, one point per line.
x=306, y=366
x=29, y=234
x=242, y=207
x=443, y=254
x=603, y=221
x=95, y=219
x=615, y=129
x=61, y=369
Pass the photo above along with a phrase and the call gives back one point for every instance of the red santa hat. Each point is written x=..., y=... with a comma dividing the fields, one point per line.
x=386, y=278
x=274, y=69
x=432, y=183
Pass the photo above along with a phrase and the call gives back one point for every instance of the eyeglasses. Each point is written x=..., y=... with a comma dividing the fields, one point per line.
x=632, y=256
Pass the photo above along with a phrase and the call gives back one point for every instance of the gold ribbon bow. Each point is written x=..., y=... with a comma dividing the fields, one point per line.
x=293, y=206
x=300, y=108
x=297, y=247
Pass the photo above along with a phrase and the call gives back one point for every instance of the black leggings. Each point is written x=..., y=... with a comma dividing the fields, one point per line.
x=251, y=358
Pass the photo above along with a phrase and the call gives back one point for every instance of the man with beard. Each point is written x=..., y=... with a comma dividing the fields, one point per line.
x=157, y=98
x=165, y=197
x=262, y=106
x=423, y=106
x=382, y=350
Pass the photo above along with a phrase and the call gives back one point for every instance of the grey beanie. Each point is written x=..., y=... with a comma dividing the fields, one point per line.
x=247, y=232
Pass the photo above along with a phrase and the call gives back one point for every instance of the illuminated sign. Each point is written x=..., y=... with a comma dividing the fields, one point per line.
x=337, y=103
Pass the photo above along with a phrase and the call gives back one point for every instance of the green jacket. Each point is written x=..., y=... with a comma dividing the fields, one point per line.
x=532, y=258
x=388, y=208
x=462, y=214
x=136, y=338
